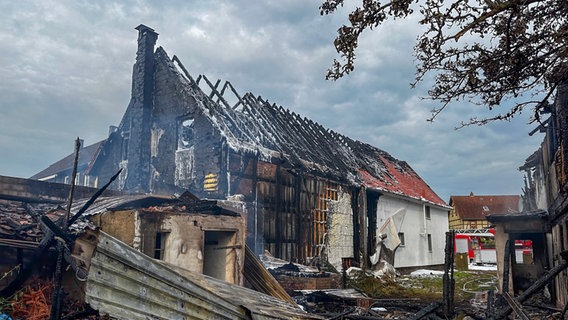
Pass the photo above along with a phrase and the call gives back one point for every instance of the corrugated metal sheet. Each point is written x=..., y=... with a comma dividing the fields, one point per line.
x=127, y=284
x=102, y=204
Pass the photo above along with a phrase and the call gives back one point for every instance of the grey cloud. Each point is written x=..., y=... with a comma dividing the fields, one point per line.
x=67, y=68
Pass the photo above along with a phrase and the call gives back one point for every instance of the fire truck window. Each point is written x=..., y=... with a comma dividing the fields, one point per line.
x=488, y=243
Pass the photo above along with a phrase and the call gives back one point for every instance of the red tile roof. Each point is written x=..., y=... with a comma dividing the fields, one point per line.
x=474, y=207
x=401, y=179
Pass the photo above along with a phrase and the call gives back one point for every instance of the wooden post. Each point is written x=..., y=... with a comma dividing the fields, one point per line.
x=489, y=310
x=448, y=278
x=506, y=266
x=58, y=277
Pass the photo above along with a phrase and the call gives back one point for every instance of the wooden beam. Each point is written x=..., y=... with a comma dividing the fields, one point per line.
x=536, y=286
x=506, y=266
x=516, y=306
x=425, y=311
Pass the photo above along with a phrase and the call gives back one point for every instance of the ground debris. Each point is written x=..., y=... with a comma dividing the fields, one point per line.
x=351, y=304
x=33, y=302
x=416, y=296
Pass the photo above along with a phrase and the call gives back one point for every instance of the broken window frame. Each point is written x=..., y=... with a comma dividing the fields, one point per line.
x=185, y=127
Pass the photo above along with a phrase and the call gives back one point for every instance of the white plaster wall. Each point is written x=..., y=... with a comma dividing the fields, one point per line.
x=340, y=232
x=415, y=227
x=185, y=167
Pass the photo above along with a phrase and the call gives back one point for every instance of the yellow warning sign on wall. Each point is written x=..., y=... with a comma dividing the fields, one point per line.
x=211, y=182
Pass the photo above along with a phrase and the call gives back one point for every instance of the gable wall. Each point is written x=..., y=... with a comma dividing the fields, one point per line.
x=176, y=165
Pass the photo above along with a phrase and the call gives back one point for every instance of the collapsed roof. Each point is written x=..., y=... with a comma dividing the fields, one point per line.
x=254, y=125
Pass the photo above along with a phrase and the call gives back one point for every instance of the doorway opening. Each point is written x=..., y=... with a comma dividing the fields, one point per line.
x=219, y=256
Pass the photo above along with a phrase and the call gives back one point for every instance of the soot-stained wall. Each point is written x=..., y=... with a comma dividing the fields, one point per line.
x=164, y=143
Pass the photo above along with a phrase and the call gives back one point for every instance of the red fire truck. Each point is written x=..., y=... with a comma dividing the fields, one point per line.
x=480, y=247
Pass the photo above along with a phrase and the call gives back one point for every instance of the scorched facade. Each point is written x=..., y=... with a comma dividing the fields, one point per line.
x=312, y=195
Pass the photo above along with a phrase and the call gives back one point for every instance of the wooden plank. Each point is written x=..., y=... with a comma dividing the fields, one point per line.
x=516, y=306
x=128, y=284
x=261, y=280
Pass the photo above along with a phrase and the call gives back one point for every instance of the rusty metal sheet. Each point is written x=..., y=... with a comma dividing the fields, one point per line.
x=127, y=284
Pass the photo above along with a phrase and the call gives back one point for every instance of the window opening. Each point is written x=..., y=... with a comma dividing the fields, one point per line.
x=401, y=237
x=427, y=212
x=186, y=134
x=219, y=254
x=160, y=245
x=429, y=243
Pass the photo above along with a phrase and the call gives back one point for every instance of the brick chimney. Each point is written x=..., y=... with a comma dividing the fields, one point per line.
x=141, y=103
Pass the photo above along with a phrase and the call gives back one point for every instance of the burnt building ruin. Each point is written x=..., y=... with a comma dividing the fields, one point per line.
x=546, y=190
x=312, y=195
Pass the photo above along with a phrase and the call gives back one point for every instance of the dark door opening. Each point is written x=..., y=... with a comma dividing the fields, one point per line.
x=372, y=200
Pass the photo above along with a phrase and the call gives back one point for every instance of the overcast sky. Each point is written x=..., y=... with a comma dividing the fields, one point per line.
x=66, y=66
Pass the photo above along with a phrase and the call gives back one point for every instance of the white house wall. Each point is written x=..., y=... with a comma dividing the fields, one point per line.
x=411, y=221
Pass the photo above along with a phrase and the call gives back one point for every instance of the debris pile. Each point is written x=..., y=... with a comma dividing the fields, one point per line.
x=294, y=276
x=32, y=302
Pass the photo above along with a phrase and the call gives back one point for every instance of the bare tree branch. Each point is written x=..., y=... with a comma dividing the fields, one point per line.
x=514, y=48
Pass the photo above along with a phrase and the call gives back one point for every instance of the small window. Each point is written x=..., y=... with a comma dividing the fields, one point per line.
x=427, y=212
x=401, y=237
x=485, y=208
x=160, y=245
x=429, y=243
